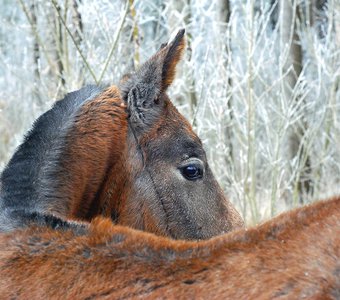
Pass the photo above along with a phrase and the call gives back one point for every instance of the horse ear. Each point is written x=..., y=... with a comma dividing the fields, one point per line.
x=170, y=55
x=141, y=90
x=159, y=70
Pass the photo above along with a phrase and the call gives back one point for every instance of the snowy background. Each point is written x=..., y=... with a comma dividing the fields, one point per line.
x=260, y=82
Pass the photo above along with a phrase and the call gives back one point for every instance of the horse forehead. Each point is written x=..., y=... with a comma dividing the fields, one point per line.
x=173, y=140
x=175, y=122
x=175, y=129
x=171, y=130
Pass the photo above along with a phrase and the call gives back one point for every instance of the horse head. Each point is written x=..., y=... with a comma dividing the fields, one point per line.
x=174, y=192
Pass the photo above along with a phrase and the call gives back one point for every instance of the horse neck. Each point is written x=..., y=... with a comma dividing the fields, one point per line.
x=113, y=192
x=289, y=255
x=94, y=146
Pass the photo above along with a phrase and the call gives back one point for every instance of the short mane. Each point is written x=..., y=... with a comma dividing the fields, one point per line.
x=42, y=146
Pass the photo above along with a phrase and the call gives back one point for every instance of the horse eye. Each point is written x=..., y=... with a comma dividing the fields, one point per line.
x=192, y=172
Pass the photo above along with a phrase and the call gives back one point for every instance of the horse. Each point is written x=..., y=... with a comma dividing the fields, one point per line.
x=293, y=256
x=123, y=152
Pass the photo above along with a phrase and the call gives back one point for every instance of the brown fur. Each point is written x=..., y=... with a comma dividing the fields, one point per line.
x=122, y=153
x=117, y=154
x=294, y=256
x=94, y=139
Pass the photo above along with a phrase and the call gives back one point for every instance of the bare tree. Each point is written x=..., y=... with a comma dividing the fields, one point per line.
x=36, y=53
x=77, y=22
x=251, y=100
x=180, y=16
x=130, y=35
x=318, y=17
x=292, y=66
x=224, y=12
x=77, y=32
x=57, y=43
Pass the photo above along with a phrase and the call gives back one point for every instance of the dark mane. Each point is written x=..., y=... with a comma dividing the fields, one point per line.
x=24, y=174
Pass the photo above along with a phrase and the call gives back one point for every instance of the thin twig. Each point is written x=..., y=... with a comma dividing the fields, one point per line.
x=114, y=42
x=74, y=42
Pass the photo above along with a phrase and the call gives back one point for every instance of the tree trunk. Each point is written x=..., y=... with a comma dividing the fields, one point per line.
x=36, y=54
x=77, y=22
x=224, y=12
x=182, y=8
x=292, y=66
x=58, y=46
x=78, y=33
x=130, y=35
x=318, y=17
